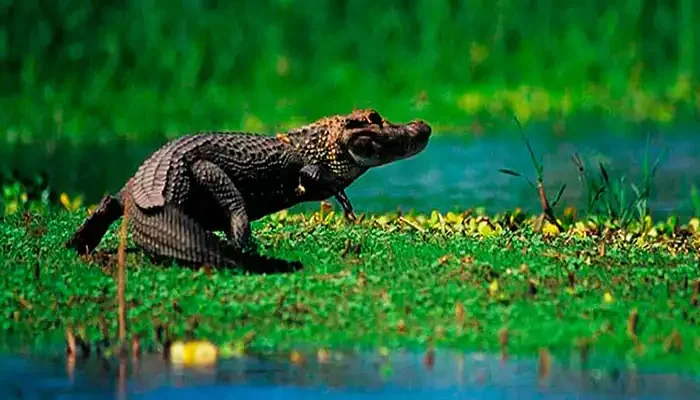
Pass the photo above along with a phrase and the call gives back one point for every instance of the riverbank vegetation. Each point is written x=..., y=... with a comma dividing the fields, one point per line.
x=80, y=71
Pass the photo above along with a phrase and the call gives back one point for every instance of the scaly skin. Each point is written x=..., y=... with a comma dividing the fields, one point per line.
x=221, y=181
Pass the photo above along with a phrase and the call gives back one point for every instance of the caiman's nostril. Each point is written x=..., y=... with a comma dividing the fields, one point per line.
x=421, y=129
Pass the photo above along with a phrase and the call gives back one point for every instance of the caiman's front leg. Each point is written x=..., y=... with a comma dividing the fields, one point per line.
x=323, y=184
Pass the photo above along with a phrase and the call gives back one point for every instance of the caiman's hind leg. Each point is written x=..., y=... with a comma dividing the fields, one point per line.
x=90, y=233
x=169, y=233
x=212, y=178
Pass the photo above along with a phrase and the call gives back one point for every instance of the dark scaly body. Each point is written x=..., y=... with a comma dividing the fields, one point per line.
x=263, y=168
x=222, y=181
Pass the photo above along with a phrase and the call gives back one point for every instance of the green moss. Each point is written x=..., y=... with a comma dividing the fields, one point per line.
x=414, y=281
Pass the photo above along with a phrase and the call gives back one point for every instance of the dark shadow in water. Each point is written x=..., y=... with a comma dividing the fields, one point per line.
x=354, y=375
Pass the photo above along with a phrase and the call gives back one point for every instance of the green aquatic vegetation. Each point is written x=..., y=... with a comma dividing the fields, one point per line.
x=695, y=197
x=609, y=197
x=604, y=196
x=547, y=207
x=463, y=280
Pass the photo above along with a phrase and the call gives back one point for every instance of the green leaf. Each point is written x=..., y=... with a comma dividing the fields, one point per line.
x=558, y=197
x=509, y=172
x=604, y=173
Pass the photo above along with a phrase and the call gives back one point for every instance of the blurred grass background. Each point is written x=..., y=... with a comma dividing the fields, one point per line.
x=139, y=69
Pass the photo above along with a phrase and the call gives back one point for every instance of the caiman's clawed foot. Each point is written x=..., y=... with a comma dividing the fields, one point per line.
x=322, y=184
x=344, y=201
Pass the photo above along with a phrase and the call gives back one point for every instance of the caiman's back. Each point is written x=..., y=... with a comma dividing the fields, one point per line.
x=264, y=169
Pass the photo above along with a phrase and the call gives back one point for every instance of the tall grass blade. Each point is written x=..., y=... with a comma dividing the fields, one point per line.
x=558, y=197
x=538, y=167
x=513, y=173
x=604, y=173
x=695, y=197
x=600, y=191
x=612, y=211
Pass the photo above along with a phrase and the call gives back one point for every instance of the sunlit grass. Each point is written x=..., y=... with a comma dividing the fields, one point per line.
x=454, y=279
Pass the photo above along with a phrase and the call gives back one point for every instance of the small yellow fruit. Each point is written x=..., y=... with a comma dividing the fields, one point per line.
x=550, y=229
x=493, y=287
x=198, y=352
x=607, y=298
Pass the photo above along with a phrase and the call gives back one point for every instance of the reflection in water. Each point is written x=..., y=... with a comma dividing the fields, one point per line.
x=449, y=173
x=400, y=374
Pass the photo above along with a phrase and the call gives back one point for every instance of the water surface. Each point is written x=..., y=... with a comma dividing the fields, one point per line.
x=354, y=375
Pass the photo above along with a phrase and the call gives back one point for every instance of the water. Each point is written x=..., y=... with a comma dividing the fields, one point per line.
x=452, y=173
x=360, y=375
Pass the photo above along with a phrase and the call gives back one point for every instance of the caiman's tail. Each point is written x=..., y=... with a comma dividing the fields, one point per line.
x=168, y=232
x=91, y=232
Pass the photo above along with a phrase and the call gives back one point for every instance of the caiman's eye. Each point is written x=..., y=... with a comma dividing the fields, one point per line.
x=352, y=123
x=365, y=146
x=375, y=118
x=365, y=150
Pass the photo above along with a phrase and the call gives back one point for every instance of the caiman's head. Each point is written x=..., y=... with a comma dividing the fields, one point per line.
x=349, y=144
x=371, y=140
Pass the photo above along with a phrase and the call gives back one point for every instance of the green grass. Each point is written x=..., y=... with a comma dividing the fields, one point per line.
x=387, y=282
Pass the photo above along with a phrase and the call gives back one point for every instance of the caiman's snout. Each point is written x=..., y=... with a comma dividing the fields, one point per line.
x=418, y=133
x=419, y=130
x=381, y=142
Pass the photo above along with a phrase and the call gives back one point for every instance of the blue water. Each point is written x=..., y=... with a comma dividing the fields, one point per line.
x=402, y=375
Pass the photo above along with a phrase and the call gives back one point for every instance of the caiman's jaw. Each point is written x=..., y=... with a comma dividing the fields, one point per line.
x=372, y=141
